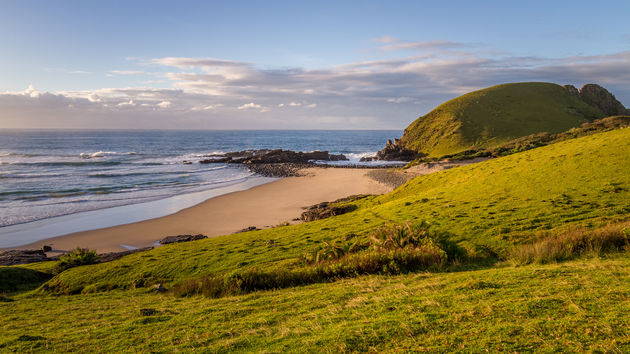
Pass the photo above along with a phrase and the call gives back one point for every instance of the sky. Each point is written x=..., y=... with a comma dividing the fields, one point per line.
x=290, y=64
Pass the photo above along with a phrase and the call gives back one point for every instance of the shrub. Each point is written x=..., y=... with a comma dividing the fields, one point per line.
x=393, y=250
x=574, y=243
x=75, y=258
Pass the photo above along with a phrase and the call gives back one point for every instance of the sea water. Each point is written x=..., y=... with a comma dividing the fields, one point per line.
x=50, y=174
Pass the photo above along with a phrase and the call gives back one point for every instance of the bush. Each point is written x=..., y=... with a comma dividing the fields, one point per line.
x=574, y=243
x=393, y=250
x=75, y=258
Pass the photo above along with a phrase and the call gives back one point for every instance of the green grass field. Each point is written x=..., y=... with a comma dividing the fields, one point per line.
x=576, y=306
x=493, y=207
x=495, y=115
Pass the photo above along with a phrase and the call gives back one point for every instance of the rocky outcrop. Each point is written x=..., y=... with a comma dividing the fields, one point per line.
x=181, y=238
x=277, y=169
x=599, y=97
x=327, y=209
x=395, y=151
x=247, y=229
x=272, y=156
x=324, y=210
x=112, y=256
x=13, y=257
x=572, y=90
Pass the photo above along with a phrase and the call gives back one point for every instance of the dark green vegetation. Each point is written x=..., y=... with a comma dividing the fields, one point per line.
x=14, y=279
x=492, y=116
x=75, y=258
x=536, y=140
x=483, y=275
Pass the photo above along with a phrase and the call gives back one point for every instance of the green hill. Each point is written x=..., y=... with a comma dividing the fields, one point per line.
x=548, y=199
x=490, y=205
x=489, y=117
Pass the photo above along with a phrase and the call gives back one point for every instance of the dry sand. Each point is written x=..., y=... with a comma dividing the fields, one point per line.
x=261, y=206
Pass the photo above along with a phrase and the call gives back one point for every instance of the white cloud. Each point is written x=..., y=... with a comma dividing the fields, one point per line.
x=130, y=103
x=207, y=107
x=250, y=105
x=164, y=104
x=215, y=93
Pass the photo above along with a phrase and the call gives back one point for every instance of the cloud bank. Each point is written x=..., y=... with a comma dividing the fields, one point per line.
x=212, y=93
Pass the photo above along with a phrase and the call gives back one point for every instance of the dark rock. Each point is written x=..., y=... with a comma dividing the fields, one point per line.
x=46, y=248
x=149, y=312
x=367, y=158
x=181, y=238
x=13, y=257
x=601, y=98
x=272, y=156
x=217, y=160
x=112, y=256
x=277, y=169
x=251, y=228
x=159, y=288
x=327, y=209
x=572, y=90
x=395, y=151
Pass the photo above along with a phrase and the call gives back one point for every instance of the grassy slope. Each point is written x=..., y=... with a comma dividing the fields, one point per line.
x=496, y=203
x=494, y=115
x=583, y=305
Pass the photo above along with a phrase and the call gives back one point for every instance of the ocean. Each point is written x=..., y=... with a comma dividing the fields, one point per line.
x=50, y=174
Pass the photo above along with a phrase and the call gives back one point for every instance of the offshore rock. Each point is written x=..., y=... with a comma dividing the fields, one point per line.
x=395, y=151
x=272, y=156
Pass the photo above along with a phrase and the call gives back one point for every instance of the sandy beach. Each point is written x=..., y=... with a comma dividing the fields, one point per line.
x=262, y=206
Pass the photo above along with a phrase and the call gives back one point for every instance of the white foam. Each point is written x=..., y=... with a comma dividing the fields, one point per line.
x=100, y=153
x=354, y=159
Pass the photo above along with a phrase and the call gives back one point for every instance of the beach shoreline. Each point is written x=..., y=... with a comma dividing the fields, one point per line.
x=261, y=206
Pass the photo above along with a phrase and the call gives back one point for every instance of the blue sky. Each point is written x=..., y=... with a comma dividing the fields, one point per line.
x=290, y=64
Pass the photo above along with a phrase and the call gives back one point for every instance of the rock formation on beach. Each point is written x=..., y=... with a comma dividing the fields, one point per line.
x=13, y=257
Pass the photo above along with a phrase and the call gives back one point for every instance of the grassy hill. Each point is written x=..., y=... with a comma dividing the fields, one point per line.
x=486, y=211
x=489, y=117
x=491, y=205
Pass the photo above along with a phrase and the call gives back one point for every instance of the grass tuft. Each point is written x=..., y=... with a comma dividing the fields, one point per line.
x=574, y=243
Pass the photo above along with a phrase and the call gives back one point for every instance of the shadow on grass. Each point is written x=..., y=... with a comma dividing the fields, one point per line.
x=16, y=279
